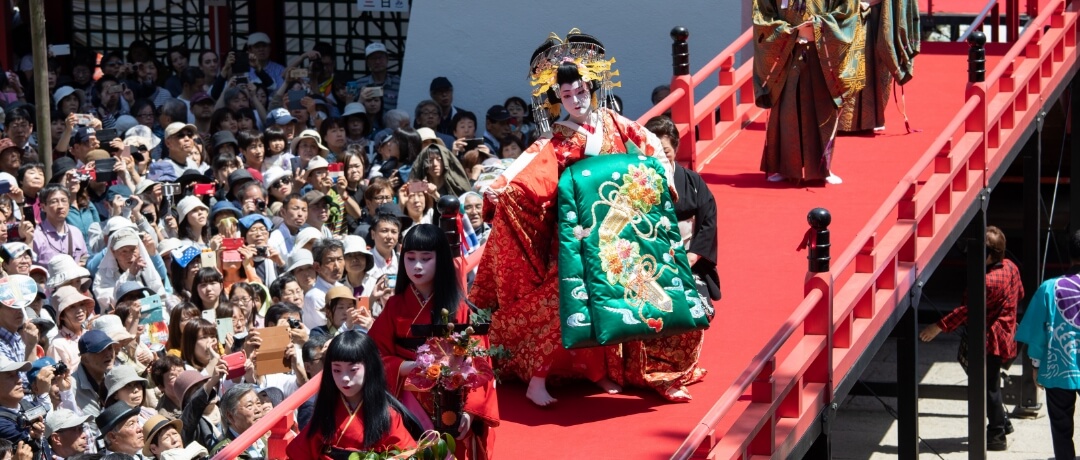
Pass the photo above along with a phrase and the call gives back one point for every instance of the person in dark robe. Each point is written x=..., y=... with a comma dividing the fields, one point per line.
x=807, y=58
x=892, y=41
x=696, y=211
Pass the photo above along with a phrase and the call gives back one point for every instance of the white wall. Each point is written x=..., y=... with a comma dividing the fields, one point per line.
x=483, y=46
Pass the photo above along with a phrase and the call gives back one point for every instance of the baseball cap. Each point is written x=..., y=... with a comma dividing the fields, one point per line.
x=440, y=83
x=61, y=419
x=176, y=127
x=7, y=365
x=498, y=113
x=281, y=116
x=375, y=48
x=37, y=366
x=80, y=135
x=124, y=239
x=131, y=287
x=12, y=250
x=317, y=163
x=200, y=97
x=258, y=37
x=94, y=341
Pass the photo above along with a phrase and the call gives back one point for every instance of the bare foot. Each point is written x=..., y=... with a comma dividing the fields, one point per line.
x=678, y=394
x=608, y=386
x=538, y=394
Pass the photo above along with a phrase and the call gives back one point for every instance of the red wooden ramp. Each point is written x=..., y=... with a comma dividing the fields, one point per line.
x=783, y=344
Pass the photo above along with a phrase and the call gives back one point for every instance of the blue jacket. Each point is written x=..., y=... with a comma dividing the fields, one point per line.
x=1051, y=329
x=82, y=218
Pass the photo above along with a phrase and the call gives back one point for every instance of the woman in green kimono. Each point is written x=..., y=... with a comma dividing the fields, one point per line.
x=805, y=62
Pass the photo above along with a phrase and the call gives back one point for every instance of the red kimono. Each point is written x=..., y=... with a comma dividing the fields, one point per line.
x=310, y=444
x=393, y=324
x=518, y=275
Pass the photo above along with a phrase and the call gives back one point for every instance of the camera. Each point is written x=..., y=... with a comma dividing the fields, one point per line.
x=130, y=203
x=294, y=323
x=260, y=205
x=60, y=369
x=13, y=232
x=260, y=251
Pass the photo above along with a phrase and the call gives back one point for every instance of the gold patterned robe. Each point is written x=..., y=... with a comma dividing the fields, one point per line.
x=804, y=84
x=892, y=42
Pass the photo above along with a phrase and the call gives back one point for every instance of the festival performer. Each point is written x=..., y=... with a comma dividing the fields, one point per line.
x=518, y=276
x=427, y=284
x=892, y=41
x=805, y=62
x=364, y=416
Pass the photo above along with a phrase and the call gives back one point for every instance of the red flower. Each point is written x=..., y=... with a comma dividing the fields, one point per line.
x=655, y=324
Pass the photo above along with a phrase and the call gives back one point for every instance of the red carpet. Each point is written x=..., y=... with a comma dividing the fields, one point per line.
x=760, y=226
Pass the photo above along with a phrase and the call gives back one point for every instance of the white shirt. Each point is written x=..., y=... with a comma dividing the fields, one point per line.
x=314, y=300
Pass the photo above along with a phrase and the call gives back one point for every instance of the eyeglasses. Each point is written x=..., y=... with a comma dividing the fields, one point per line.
x=281, y=182
x=241, y=301
x=22, y=124
x=183, y=134
x=383, y=198
x=257, y=231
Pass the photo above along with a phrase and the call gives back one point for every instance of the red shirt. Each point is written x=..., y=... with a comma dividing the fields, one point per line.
x=1003, y=292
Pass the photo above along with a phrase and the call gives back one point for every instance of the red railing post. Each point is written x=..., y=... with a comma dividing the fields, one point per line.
x=682, y=111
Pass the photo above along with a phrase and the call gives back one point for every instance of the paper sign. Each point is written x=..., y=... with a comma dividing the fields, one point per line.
x=224, y=329
x=150, y=310
x=269, y=359
x=209, y=258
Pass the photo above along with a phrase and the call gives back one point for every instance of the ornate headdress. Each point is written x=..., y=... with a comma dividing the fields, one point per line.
x=587, y=53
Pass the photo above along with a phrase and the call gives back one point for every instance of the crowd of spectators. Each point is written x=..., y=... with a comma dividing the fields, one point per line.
x=214, y=188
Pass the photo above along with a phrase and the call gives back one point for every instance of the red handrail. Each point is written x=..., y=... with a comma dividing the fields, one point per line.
x=256, y=431
x=956, y=164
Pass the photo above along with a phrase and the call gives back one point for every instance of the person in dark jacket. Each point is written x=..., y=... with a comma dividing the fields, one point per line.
x=696, y=211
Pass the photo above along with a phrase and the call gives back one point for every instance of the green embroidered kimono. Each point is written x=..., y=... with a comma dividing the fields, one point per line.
x=623, y=274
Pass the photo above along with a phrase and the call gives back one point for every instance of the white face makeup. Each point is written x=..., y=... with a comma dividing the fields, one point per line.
x=576, y=99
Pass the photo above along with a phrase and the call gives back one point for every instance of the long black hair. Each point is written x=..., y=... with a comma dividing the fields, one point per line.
x=354, y=347
x=446, y=294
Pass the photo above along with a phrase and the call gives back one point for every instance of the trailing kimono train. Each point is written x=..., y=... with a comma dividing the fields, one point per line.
x=623, y=274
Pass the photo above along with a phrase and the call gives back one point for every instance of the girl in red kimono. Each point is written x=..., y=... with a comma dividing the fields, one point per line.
x=427, y=284
x=353, y=389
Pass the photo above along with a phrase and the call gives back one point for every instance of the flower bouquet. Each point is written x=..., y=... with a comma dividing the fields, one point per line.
x=431, y=445
x=448, y=367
